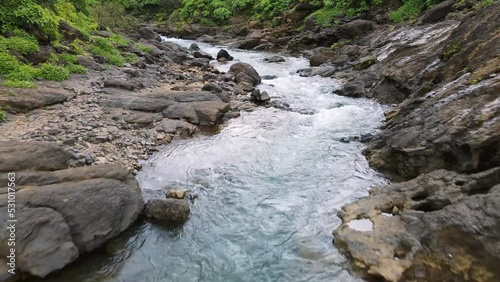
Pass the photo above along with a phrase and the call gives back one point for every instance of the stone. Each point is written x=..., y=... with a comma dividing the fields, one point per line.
x=212, y=87
x=438, y=12
x=354, y=29
x=321, y=56
x=274, y=59
x=120, y=83
x=22, y=100
x=66, y=213
x=246, y=69
x=440, y=225
x=268, y=77
x=176, y=194
x=259, y=97
x=148, y=34
x=223, y=54
x=168, y=211
x=142, y=118
x=177, y=127
x=19, y=156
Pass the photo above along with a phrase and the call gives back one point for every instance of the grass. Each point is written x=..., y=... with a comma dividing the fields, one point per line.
x=19, y=84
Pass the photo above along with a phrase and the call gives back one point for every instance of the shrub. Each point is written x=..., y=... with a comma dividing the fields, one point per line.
x=67, y=58
x=2, y=115
x=23, y=73
x=19, y=84
x=411, y=9
x=143, y=48
x=52, y=72
x=112, y=14
x=118, y=40
x=72, y=68
x=8, y=63
x=130, y=57
x=102, y=47
x=23, y=45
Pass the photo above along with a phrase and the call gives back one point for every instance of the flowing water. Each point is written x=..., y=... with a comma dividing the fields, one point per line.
x=269, y=185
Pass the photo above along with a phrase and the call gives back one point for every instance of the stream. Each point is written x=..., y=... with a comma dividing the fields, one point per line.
x=269, y=185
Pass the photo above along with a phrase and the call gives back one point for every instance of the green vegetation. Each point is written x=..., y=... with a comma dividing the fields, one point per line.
x=143, y=48
x=19, y=84
x=450, y=50
x=104, y=47
x=2, y=115
x=52, y=72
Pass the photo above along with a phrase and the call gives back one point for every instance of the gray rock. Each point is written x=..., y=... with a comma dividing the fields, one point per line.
x=274, y=59
x=246, y=69
x=148, y=34
x=438, y=12
x=177, y=127
x=142, y=118
x=18, y=156
x=430, y=223
x=223, y=54
x=169, y=211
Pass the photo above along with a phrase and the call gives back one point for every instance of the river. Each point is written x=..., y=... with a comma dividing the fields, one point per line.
x=269, y=185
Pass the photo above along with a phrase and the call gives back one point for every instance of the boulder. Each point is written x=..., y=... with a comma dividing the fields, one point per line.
x=41, y=156
x=438, y=12
x=176, y=127
x=169, y=211
x=65, y=213
x=176, y=194
x=354, y=29
x=439, y=226
x=22, y=100
x=149, y=34
x=248, y=70
x=70, y=33
x=223, y=54
x=321, y=56
x=142, y=118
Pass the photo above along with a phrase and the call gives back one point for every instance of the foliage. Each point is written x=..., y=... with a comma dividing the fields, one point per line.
x=143, y=48
x=411, y=9
x=74, y=68
x=52, y=72
x=2, y=115
x=8, y=63
x=112, y=14
x=103, y=47
x=67, y=58
x=23, y=73
x=23, y=45
x=18, y=84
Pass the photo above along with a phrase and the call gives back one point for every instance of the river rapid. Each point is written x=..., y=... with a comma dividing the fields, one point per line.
x=269, y=185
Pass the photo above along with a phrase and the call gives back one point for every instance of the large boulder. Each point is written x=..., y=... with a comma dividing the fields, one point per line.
x=438, y=12
x=22, y=100
x=148, y=34
x=19, y=156
x=65, y=213
x=441, y=226
x=223, y=55
x=354, y=29
x=246, y=69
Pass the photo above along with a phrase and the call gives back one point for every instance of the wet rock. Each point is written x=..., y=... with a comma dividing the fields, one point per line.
x=169, y=211
x=56, y=210
x=224, y=55
x=268, y=77
x=274, y=59
x=248, y=70
x=427, y=228
x=194, y=47
x=438, y=12
x=259, y=97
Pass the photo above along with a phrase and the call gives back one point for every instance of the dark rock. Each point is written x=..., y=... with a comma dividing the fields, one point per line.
x=354, y=29
x=275, y=59
x=194, y=47
x=201, y=54
x=365, y=62
x=121, y=83
x=268, y=77
x=89, y=63
x=70, y=33
x=41, y=56
x=149, y=34
x=438, y=12
x=259, y=97
x=247, y=69
x=322, y=56
x=224, y=54
x=169, y=211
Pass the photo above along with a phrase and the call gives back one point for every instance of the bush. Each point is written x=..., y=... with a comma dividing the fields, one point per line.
x=8, y=63
x=72, y=68
x=52, y=72
x=2, y=115
x=102, y=47
x=112, y=14
x=67, y=58
x=411, y=9
x=19, y=84
x=23, y=45
x=143, y=48
x=23, y=73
